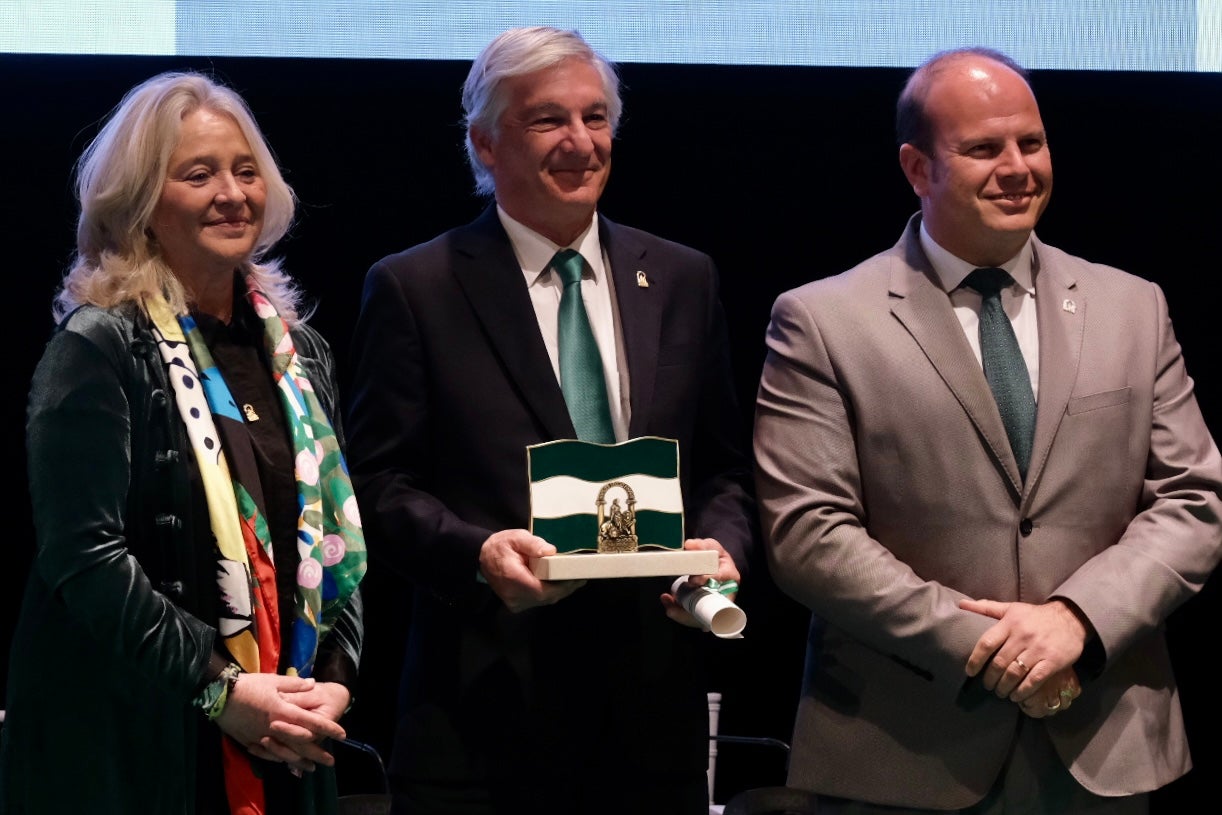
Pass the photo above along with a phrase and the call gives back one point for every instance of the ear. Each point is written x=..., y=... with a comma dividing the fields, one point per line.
x=482, y=142
x=916, y=166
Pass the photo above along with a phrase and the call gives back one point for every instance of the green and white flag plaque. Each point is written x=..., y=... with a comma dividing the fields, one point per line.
x=611, y=510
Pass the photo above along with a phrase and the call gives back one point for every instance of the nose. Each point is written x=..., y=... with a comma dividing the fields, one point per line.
x=1012, y=161
x=579, y=140
x=230, y=190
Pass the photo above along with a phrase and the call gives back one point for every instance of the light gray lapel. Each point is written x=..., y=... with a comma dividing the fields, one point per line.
x=921, y=305
x=1061, y=311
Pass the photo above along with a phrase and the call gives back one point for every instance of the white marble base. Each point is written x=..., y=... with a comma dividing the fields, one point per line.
x=646, y=563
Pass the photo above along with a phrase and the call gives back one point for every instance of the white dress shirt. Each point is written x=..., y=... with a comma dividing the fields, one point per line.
x=534, y=253
x=1018, y=300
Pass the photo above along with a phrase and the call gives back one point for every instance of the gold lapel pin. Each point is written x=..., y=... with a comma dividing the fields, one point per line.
x=642, y=281
x=1070, y=306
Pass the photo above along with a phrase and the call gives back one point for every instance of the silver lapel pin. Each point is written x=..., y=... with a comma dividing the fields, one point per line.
x=1070, y=306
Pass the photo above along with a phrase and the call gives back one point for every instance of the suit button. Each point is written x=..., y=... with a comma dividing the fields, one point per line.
x=167, y=521
x=165, y=458
x=1024, y=527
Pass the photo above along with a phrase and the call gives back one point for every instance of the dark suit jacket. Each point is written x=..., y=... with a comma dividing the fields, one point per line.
x=452, y=382
x=889, y=492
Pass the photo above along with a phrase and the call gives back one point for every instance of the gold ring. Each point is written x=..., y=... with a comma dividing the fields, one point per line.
x=1021, y=664
x=1051, y=707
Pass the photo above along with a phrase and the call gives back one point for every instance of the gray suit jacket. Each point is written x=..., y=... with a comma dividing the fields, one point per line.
x=888, y=492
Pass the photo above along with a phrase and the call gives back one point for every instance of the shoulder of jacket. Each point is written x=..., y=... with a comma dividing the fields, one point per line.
x=118, y=331
x=309, y=342
x=618, y=233
x=1098, y=276
x=98, y=321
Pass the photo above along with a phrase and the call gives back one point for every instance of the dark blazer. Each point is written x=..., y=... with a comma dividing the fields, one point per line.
x=119, y=613
x=889, y=492
x=451, y=383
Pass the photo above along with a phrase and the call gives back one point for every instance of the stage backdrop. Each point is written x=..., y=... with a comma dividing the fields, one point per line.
x=783, y=174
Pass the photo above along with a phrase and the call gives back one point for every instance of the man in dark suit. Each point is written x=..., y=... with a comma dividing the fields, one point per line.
x=991, y=488
x=520, y=695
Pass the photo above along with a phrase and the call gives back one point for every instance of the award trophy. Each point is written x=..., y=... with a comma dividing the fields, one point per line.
x=611, y=510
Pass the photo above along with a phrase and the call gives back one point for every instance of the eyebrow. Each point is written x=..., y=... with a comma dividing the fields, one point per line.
x=990, y=138
x=551, y=107
x=204, y=158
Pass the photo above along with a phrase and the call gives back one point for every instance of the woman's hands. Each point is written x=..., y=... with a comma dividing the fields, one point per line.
x=285, y=718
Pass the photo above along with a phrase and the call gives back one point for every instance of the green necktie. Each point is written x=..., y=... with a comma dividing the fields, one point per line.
x=581, y=367
x=1004, y=366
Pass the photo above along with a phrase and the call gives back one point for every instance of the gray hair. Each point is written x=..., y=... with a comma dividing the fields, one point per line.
x=120, y=177
x=912, y=124
x=513, y=53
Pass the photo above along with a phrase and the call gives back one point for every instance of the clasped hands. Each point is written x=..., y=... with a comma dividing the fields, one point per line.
x=285, y=718
x=504, y=563
x=1027, y=656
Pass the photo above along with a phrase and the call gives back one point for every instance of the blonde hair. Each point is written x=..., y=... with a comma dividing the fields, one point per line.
x=119, y=179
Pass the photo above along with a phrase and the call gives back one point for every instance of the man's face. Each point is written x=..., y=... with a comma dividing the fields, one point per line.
x=551, y=153
x=990, y=176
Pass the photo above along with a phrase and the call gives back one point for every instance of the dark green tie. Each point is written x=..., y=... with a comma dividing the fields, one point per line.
x=1004, y=366
x=581, y=367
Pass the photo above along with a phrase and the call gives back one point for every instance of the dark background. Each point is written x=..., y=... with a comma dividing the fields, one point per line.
x=781, y=174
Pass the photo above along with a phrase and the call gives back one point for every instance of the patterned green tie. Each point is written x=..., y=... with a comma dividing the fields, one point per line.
x=581, y=367
x=1004, y=366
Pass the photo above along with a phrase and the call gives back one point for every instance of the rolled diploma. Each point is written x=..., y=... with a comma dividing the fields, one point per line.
x=712, y=609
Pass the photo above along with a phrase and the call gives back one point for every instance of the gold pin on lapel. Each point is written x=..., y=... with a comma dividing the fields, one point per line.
x=249, y=410
x=642, y=282
x=1070, y=306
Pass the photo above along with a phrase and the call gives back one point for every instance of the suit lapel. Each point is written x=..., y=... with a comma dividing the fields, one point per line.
x=640, y=315
x=488, y=271
x=1061, y=314
x=923, y=308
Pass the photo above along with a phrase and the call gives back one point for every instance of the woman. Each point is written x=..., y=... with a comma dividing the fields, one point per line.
x=191, y=625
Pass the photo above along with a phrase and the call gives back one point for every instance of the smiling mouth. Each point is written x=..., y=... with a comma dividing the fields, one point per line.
x=1014, y=197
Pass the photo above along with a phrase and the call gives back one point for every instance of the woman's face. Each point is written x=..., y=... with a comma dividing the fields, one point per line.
x=210, y=213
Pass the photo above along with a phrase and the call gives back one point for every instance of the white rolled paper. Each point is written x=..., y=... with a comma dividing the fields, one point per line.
x=712, y=609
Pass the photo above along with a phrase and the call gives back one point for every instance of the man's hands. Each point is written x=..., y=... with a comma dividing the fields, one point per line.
x=1056, y=695
x=726, y=571
x=1028, y=655
x=504, y=561
x=283, y=718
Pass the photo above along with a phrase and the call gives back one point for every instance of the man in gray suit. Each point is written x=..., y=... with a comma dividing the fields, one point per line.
x=989, y=574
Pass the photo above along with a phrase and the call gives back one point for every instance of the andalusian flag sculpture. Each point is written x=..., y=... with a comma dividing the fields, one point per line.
x=623, y=501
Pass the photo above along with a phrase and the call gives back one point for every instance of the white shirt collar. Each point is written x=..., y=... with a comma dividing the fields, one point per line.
x=535, y=252
x=952, y=270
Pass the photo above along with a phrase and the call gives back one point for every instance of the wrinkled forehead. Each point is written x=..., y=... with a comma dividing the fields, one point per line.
x=564, y=79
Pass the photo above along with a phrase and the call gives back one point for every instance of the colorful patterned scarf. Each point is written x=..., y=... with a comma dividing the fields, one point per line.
x=330, y=543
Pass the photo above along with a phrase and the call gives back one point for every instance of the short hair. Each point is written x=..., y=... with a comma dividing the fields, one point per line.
x=119, y=180
x=513, y=53
x=912, y=124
